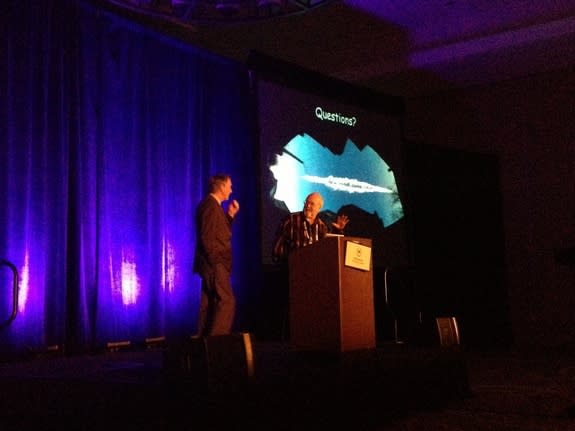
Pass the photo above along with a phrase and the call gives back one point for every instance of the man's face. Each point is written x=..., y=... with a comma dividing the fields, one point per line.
x=226, y=190
x=312, y=206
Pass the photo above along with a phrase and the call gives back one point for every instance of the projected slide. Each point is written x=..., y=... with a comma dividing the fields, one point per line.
x=349, y=153
x=355, y=177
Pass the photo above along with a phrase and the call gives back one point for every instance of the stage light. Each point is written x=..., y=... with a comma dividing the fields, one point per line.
x=116, y=346
x=155, y=343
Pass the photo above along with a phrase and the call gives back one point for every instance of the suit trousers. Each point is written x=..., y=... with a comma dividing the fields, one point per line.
x=217, y=302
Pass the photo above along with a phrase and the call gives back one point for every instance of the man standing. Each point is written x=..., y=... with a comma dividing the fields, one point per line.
x=213, y=257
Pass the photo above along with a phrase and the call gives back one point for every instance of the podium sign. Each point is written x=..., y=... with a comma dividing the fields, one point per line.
x=357, y=255
x=331, y=301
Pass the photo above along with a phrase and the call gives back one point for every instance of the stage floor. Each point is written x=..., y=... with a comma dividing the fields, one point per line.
x=287, y=390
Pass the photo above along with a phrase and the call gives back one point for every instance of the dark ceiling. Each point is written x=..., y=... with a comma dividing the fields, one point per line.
x=406, y=48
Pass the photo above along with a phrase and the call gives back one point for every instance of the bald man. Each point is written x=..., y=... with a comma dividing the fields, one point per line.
x=303, y=228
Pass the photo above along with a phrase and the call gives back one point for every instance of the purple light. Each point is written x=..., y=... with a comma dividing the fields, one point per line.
x=168, y=266
x=126, y=283
x=24, y=284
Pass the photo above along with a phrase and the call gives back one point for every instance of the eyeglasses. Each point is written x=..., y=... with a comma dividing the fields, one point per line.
x=311, y=204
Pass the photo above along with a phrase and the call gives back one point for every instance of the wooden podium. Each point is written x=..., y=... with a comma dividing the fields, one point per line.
x=331, y=295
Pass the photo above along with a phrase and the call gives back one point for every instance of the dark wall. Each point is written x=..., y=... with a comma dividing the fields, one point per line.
x=528, y=125
x=457, y=242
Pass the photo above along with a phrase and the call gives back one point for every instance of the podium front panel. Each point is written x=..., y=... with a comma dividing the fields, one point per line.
x=357, y=308
x=331, y=304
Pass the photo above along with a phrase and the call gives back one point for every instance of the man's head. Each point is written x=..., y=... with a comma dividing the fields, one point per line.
x=312, y=206
x=221, y=186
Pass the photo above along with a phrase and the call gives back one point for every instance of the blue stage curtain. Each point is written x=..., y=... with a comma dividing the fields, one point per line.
x=109, y=132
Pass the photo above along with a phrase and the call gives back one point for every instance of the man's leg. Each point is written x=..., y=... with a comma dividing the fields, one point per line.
x=206, y=298
x=225, y=302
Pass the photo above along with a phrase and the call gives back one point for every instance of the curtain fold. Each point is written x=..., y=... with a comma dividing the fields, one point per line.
x=34, y=175
x=110, y=132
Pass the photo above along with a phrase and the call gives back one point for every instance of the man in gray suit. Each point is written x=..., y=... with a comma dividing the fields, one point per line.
x=213, y=257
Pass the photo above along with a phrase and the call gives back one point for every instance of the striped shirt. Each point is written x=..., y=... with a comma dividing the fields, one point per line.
x=295, y=232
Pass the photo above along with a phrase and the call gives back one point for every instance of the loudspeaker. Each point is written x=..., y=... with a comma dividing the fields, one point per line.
x=216, y=362
x=448, y=331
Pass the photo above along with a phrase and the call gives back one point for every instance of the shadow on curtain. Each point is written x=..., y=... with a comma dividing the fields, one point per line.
x=108, y=134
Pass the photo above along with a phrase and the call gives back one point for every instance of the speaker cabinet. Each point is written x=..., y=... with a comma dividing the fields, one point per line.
x=448, y=331
x=218, y=362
